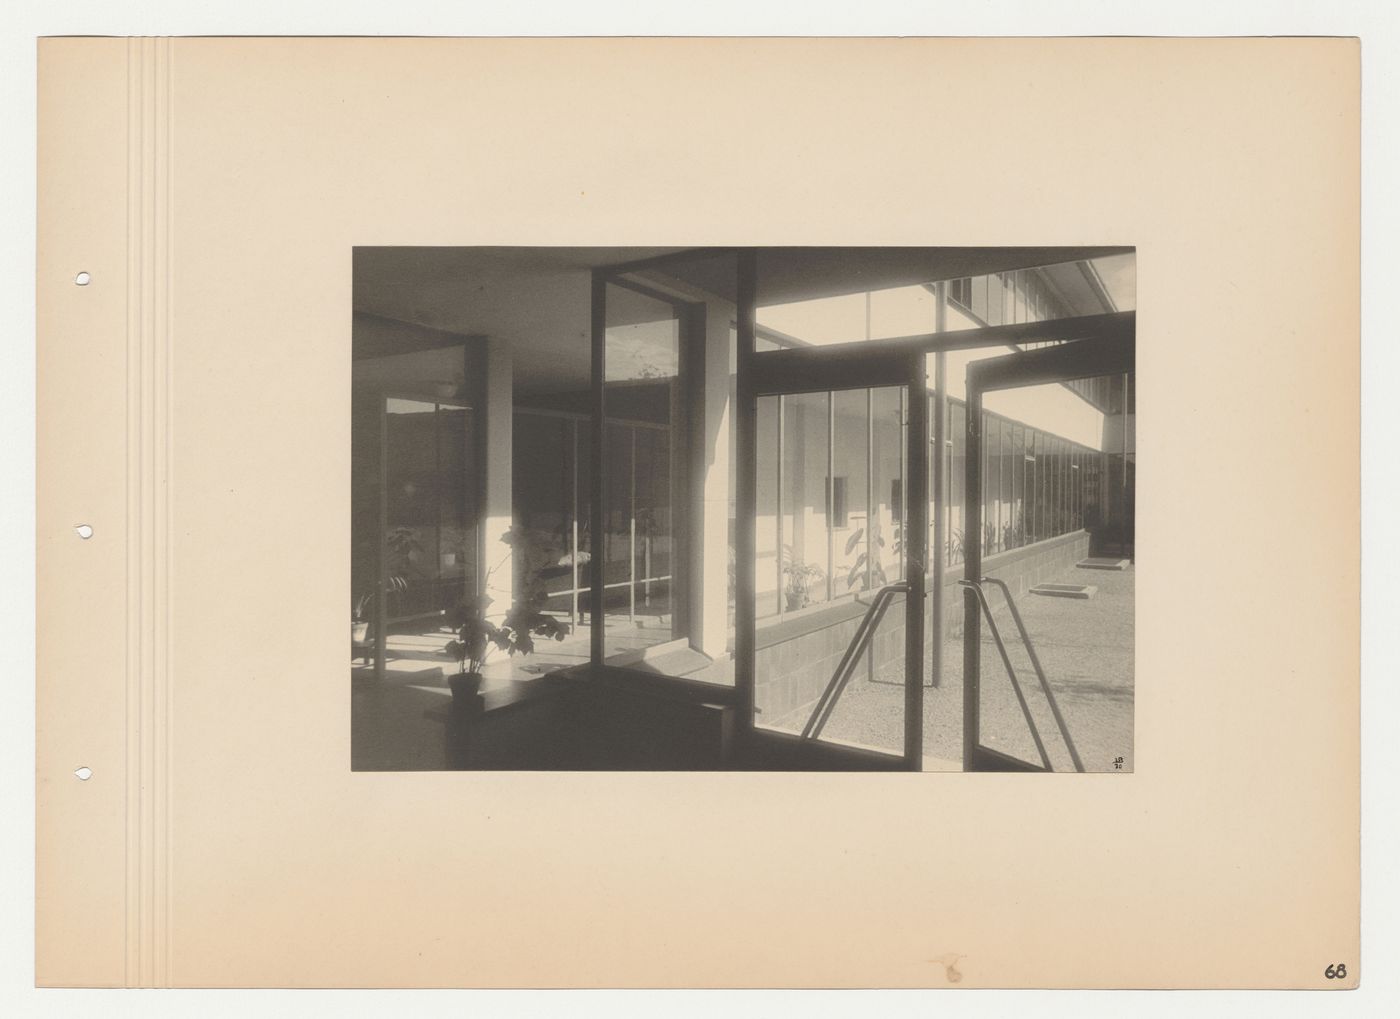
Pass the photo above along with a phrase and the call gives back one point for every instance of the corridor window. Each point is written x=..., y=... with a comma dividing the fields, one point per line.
x=836, y=502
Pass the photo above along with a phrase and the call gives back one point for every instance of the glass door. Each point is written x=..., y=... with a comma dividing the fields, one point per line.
x=1012, y=719
x=836, y=576
x=415, y=501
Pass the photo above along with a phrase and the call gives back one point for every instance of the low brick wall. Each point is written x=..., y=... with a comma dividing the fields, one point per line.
x=795, y=658
x=1021, y=569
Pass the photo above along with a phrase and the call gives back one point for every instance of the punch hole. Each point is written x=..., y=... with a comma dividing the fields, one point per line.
x=84, y=531
x=82, y=279
x=83, y=774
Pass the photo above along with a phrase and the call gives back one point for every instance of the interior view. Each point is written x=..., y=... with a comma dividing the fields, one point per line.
x=742, y=509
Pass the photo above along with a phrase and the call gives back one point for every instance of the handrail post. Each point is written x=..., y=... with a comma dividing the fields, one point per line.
x=976, y=588
x=1039, y=671
x=860, y=640
x=972, y=565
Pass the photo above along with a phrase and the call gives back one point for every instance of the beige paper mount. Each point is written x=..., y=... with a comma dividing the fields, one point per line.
x=193, y=411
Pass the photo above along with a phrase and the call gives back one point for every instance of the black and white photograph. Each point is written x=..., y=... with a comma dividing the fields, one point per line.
x=747, y=509
x=726, y=449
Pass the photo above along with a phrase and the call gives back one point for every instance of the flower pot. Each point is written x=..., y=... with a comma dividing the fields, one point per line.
x=359, y=632
x=795, y=600
x=465, y=686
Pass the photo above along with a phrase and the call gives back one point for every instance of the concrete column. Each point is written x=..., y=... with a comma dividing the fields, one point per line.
x=496, y=518
x=709, y=552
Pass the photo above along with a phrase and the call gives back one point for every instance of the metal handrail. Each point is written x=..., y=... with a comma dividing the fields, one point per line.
x=1039, y=671
x=976, y=587
x=1006, y=660
x=860, y=641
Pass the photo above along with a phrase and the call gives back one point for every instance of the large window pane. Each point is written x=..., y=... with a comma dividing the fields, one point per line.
x=848, y=492
x=655, y=534
x=1004, y=518
x=1035, y=479
x=1021, y=295
x=957, y=469
x=1018, y=486
x=544, y=478
x=641, y=400
x=807, y=548
x=768, y=572
x=414, y=506
x=837, y=478
x=991, y=474
x=886, y=545
x=670, y=358
x=425, y=534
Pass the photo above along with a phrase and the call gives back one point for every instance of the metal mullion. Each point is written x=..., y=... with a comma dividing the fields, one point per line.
x=1039, y=465
x=870, y=512
x=972, y=558
x=994, y=461
x=904, y=477
x=830, y=495
x=916, y=541
x=746, y=484
x=948, y=442
x=1018, y=475
x=1058, y=484
x=598, y=325
x=982, y=519
x=381, y=606
x=869, y=484
x=1123, y=491
x=437, y=501
x=573, y=526
x=778, y=512
x=940, y=481
x=1066, y=480
x=632, y=530
x=1065, y=517
x=1076, y=474
x=1003, y=483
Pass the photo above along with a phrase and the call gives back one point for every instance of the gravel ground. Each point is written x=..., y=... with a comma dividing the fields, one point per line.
x=1086, y=648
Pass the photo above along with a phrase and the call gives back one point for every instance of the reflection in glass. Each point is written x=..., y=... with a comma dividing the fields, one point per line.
x=641, y=396
x=806, y=562
x=768, y=571
x=414, y=538
x=426, y=539
x=957, y=476
x=831, y=465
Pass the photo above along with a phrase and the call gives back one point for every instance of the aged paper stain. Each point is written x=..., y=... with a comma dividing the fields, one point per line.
x=949, y=961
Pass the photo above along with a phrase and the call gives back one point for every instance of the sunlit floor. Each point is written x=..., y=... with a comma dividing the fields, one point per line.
x=1086, y=649
x=421, y=656
x=397, y=723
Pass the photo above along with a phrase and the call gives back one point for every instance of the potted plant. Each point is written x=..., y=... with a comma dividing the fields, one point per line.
x=400, y=547
x=856, y=576
x=798, y=579
x=476, y=638
x=360, y=617
x=955, y=546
